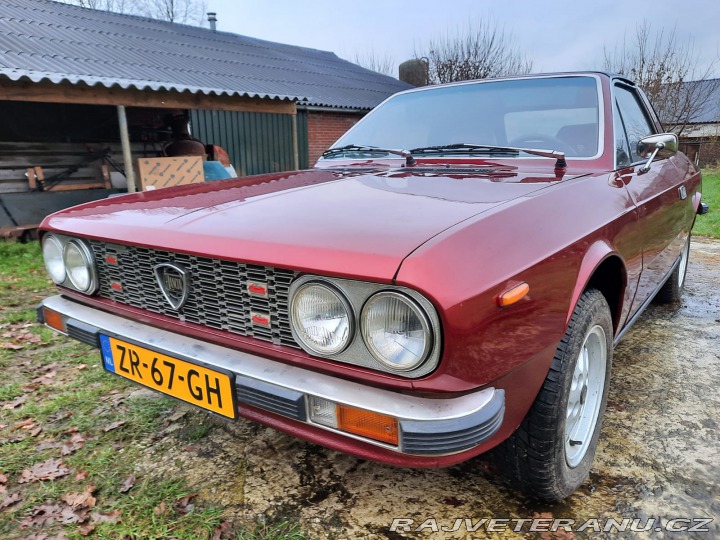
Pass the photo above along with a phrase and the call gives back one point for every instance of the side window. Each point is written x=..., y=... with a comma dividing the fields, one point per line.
x=634, y=119
x=622, y=148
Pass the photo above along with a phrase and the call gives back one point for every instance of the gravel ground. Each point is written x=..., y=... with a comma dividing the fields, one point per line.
x=658, y=456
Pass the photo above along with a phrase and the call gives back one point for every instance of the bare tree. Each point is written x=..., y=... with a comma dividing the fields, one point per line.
x=483, y=50
x=179, y=11
x=374, y=62
x=116, y=6
x=668, y=71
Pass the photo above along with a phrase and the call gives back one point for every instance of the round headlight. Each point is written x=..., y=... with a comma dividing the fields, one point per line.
x=321, y=318
x=53, y=255
x=396, y=330
x=79, y=265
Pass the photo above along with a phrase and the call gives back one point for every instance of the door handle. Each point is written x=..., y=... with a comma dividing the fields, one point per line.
x=682, y=192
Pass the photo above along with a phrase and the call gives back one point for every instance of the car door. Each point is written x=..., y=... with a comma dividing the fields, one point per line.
x=659, y=195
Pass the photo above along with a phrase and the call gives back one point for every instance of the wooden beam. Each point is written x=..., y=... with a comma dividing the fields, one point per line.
x=32, y=183
x=75, y=187
x=127, y=152
x=130, y=97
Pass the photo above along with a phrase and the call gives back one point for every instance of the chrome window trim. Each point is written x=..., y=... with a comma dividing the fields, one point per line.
x=601, y=108
x=615, y=83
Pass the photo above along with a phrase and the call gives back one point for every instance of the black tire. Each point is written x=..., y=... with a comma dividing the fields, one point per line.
x=671, y=291
x=536, y=457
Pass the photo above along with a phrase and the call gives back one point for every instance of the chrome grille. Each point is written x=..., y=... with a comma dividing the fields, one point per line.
x=218, y=295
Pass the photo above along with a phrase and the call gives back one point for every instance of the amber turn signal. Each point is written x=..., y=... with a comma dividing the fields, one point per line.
x=53, y=319
x=368, y=424
x=513, y=295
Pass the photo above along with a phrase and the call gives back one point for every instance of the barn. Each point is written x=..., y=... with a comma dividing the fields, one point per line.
x=85, y=93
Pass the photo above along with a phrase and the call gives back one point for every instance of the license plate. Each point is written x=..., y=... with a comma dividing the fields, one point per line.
x=197, y=385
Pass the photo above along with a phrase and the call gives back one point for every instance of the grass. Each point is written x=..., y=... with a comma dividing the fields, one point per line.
x=709, y=224
x=70, y=397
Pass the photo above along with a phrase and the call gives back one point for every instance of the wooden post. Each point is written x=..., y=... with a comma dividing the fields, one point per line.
x=127, y=154
x=296, y=152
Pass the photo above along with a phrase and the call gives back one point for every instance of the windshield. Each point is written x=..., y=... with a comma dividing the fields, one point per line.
x=559, y=113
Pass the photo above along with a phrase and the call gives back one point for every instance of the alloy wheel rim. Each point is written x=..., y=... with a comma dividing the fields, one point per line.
x=586, y=392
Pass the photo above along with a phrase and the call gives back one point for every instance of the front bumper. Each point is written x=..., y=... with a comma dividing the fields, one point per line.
x=273, y=392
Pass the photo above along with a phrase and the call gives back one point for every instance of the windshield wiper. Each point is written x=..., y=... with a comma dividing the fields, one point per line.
x=492, y=149
x=409, y=159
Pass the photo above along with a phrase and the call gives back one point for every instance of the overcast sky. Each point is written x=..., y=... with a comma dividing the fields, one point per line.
x=558, y=35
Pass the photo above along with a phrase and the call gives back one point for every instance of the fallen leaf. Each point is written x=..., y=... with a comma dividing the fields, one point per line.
x=183, y=504
x=175, y=416
x=8, y=345
x=127, y=484
x=9, y=501
x=3, y=478
x=76, y=443
x=81, y=475
x=27, y=337
x=73, y=515
x=15, y=403
x=114, y=425
x=106, y=517
x=160, y=510
x=47, y=446
x=60, y=415
x=80, y=500
x=42, y=516
x=24, y=423
x=220, y=530
x=86, y=530
x=47, y=470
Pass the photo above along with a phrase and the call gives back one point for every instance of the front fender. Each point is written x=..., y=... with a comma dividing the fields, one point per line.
x=596, y=255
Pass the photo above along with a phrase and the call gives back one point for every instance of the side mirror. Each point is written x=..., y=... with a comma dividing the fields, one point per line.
x=662, y=145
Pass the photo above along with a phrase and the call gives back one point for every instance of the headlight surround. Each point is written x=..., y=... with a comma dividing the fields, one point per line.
x=52, y=249
x=322, y=319
x=80, y=266
x=396, y=330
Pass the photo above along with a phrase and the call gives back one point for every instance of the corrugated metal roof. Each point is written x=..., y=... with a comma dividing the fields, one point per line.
x=41, y=40
x=710, y=111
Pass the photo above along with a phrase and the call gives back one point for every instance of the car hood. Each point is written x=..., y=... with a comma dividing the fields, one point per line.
x=353, y=223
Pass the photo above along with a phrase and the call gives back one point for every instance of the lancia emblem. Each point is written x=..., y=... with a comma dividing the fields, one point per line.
x=173, y=281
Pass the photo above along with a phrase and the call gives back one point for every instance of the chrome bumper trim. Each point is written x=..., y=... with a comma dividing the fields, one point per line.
x=430, y=426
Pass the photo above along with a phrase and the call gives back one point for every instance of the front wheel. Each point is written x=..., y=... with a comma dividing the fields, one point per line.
x=550, y=454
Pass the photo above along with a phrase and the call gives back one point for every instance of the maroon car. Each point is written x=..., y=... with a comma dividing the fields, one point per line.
x=450, y=277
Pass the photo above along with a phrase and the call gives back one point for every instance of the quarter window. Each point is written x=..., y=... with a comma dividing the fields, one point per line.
x=634, y=119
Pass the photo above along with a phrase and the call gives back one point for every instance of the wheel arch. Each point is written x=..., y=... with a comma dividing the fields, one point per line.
x=603, y=269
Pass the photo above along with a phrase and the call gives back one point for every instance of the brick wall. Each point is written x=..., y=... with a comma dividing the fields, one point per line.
x=324, y=128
